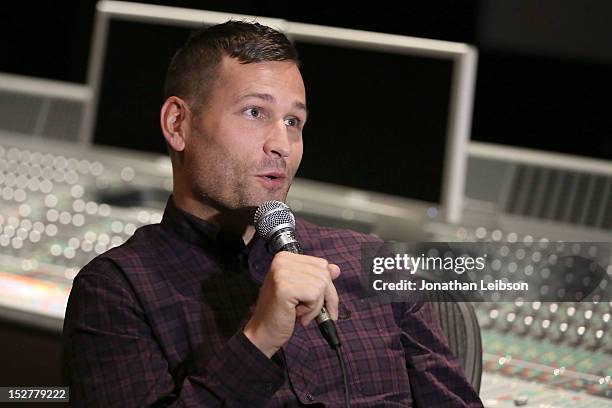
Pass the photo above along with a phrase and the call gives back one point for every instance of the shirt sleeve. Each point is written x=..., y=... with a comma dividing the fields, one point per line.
x=114, y=360
x=436, y=376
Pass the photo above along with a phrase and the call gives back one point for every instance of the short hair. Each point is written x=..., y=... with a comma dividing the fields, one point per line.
x=195, y=65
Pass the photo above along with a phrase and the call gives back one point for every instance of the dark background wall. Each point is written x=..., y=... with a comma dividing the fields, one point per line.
x=544, y=75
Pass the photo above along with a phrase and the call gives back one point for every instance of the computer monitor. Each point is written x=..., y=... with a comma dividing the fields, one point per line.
x=131, y=85
x=380, y=119
x=547, y=103
x=377, y=121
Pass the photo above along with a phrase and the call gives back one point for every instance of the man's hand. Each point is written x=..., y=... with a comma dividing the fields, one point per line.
x=296, y=287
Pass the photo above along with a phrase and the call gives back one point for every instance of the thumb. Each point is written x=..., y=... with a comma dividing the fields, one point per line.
x=334, y=270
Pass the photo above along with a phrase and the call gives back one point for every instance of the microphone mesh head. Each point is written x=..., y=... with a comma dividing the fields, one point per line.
x=271, y=215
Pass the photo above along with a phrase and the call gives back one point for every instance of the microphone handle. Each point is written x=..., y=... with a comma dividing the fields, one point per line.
x=293, y=247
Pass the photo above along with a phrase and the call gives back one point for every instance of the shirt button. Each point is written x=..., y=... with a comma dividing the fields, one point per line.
x=268, y=388
x=309, y=397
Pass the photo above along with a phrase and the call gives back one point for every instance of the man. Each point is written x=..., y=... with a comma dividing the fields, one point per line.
x=196, y=311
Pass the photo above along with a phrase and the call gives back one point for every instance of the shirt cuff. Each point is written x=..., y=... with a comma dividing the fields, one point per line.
x=243, y=372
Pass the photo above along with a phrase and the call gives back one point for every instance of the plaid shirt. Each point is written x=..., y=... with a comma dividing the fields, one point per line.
x=158, y=322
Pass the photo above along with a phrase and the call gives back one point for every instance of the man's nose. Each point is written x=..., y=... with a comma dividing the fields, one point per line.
x=278, y=142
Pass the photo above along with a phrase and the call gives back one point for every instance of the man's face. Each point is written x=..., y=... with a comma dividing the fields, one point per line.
x=246, y=142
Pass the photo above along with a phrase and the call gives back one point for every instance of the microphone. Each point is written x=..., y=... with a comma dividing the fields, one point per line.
x=275, y=222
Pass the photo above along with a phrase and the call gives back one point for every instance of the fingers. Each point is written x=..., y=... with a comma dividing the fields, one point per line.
x=314, y=311
x=308, y=280
x=319, y=291
x=290, y=261
x=295, y=288
x=288, y=257
x=334, y=270
x=331, y=301
x=301, y=310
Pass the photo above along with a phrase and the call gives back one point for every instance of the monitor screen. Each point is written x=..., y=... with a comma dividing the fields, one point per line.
x=131, y=84
x=377, y=121
x=545, y=103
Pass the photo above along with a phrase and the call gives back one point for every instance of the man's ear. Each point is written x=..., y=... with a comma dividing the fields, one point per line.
x=175, y=122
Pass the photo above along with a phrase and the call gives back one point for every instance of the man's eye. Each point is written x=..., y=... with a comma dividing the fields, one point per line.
x=293, y=122
x=254, y=112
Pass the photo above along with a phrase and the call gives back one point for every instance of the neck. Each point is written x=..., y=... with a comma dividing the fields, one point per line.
x=238, y=222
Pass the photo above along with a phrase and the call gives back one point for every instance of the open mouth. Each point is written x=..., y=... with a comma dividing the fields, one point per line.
x=273, y=176
x=272, y=180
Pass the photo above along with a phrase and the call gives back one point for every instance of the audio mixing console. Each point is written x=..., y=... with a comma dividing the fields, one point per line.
x=61, y=206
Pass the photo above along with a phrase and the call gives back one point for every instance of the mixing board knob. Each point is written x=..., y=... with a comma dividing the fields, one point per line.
x=575, y=335
x=557, y=332
x=505, y=323
x=521, y=400
x=590, y=340
x=487, y=320
x=523, y=325
x=567, y=314
x=552, y=310
x=519, y=327
x=540, y=328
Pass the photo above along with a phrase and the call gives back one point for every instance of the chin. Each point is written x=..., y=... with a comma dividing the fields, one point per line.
x=258, y=195
x=272, y=197
x=275, y=196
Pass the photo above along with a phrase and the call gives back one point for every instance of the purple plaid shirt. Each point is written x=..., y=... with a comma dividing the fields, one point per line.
x=158, y=322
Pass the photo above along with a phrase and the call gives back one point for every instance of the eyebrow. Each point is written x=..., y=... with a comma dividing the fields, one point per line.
x=269, y=98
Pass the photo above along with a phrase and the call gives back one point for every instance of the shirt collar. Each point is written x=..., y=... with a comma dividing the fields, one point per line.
x=205, y=234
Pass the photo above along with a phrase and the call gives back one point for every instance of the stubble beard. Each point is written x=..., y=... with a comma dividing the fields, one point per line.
x=238, y=193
